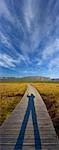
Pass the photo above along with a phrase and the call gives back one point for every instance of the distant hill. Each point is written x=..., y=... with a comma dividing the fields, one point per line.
x=27, y=79
x=35, y=78
x=57, y=79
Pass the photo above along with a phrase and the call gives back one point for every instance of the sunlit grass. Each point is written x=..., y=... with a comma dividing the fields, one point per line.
x=50, y=95
x=10, y=96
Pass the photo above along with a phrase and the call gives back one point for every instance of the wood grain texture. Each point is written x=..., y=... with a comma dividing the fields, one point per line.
x=9, y=131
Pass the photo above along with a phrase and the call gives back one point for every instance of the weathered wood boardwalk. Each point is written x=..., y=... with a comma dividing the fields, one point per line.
x=29, y=127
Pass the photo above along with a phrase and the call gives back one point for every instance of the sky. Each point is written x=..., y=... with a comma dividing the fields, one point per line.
x=29, y=38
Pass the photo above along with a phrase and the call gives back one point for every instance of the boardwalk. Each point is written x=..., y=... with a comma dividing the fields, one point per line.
x=29, y=127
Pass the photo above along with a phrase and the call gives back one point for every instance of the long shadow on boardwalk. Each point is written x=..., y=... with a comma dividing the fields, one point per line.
x=20, y=140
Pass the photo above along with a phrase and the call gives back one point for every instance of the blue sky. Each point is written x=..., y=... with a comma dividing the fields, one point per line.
x=29, y=38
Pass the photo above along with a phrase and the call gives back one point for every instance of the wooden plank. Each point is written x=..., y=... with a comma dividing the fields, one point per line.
x=11, y=129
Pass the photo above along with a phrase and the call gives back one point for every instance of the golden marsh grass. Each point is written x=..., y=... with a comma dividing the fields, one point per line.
x=50, y=95
x=10, y=96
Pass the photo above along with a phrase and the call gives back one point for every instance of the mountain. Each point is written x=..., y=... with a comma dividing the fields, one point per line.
x=25, y=79
x=28, y=79
x=34, y=78
x=57, y=79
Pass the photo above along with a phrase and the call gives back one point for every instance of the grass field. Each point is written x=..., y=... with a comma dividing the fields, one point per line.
x=50, y=95
x=10, y=96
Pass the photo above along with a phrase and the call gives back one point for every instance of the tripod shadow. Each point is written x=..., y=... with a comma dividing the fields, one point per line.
x=20, y=140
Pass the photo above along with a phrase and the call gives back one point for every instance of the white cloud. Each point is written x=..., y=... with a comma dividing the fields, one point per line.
x=23, y=58
x=39, y=62
x=3, y=64
x=54, y=64
x=51, y=49
x=6, y=61
x=28, y=14
x=4, y=10
x=50, y=55
x=4, y=39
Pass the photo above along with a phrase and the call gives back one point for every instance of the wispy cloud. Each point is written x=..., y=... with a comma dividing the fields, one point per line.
x=29, y=34
x=50, y=56
x=31, y=22
x=8, y=61
x=3, y=64
x=51, y=49
x=4, y=11
x=4, y=39
x=54, y=64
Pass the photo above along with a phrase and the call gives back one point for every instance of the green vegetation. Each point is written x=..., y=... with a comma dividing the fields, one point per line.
x=10, y=96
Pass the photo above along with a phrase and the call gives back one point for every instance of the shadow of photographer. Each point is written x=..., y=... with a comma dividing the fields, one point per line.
x=20, y=140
